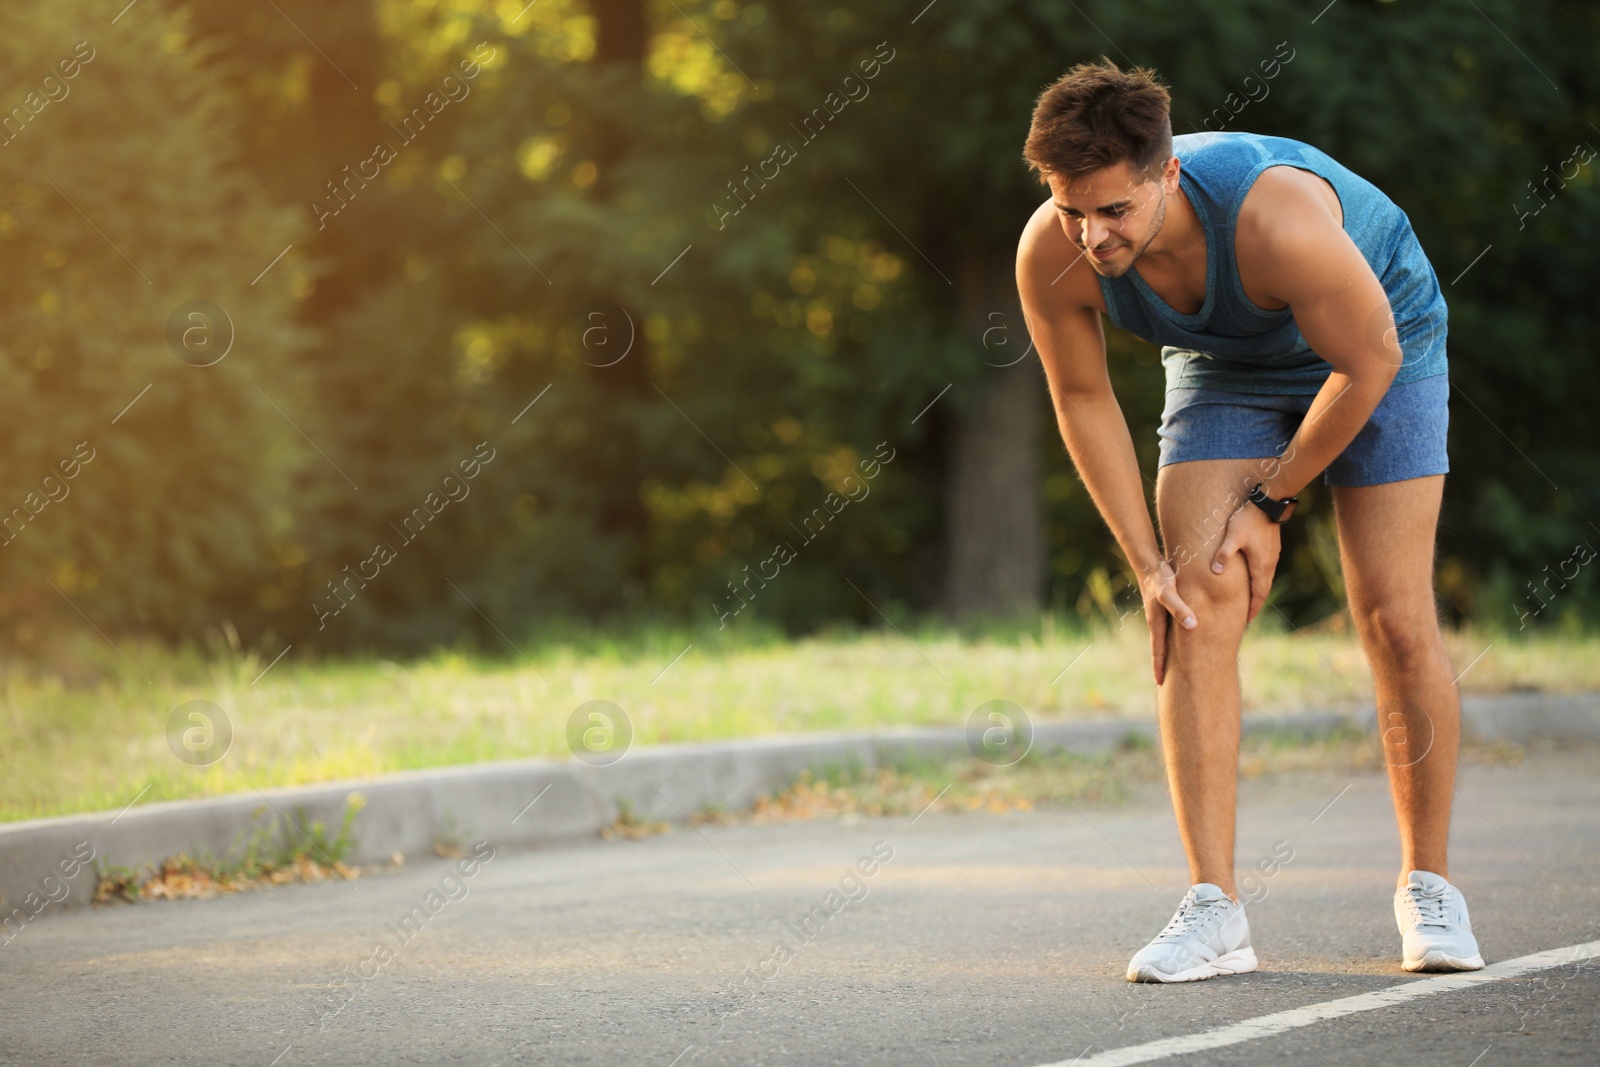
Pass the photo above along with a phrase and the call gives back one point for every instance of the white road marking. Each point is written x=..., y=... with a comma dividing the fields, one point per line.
x=1282, y=1021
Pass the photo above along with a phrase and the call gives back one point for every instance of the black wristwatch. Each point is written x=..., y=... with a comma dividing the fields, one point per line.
x=1277, y=510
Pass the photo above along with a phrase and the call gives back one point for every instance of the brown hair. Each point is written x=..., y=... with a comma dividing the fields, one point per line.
x=1097, y=116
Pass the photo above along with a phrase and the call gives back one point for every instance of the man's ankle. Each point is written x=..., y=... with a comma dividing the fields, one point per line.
x=1442, y=870
x=1228, y=886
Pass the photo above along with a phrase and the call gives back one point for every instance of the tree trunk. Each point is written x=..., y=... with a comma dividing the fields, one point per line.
x=624, y=31
x=622, y=41
x=995, y=560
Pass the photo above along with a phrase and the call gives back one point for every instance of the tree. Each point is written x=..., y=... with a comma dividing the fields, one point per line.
x=150, y=451
x=687, y=269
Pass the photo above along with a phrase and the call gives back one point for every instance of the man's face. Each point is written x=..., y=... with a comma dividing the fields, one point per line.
x=1112, y=215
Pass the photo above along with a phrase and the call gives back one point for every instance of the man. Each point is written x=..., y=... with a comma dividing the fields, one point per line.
x=1303, y=332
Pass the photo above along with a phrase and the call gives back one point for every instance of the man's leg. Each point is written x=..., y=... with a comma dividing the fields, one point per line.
x=1386, y=537
x=1199, y=700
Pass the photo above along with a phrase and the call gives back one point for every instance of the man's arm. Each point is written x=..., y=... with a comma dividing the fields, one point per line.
x=1289, y=238
x=1067, y=332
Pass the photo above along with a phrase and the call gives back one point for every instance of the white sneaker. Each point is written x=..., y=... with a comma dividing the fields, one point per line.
x=1435, y=932
x=1208, y=936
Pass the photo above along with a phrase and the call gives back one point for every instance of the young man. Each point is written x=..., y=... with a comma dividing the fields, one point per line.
x=1303, y=332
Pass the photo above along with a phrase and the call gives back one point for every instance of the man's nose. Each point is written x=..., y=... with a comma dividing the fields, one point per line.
x=1094, y=233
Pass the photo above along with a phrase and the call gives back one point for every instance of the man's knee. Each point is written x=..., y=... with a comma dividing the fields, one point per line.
x=1220, y=596
x=1400, y=634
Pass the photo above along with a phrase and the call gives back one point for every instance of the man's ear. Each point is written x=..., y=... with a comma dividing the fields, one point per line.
x=1169, y=175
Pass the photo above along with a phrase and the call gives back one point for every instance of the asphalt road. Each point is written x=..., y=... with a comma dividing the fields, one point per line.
x=975, y=938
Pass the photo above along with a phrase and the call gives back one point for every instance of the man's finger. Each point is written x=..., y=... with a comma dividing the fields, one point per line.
x=1260, y=586
x=1180, y=611
x=1225, y=553
x=1159, y=620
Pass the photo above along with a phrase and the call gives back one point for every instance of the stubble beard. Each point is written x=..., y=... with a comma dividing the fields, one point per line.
x=1112, y=271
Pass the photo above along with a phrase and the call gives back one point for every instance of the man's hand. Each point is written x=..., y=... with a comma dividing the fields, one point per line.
x=1162, y=604
x=1252, y=533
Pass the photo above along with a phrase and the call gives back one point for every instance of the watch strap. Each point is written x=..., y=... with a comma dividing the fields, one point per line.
x=1274, y=508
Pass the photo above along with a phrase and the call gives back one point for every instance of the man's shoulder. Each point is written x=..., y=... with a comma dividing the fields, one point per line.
x=1288, y=218
x=1243, y=150
x=1237, y=139
x=1037, y=242
x=1048, y=262
x=1282, y=198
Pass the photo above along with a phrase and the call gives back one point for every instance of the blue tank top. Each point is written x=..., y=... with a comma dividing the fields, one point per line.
x=1231, y=343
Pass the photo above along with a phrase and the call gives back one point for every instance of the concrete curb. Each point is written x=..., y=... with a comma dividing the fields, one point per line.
x=540, y=801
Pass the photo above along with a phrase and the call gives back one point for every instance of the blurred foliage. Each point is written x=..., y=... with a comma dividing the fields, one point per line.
x=547, y=266
x=121, y=201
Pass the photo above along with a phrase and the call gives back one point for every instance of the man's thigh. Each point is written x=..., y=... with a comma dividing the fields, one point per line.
x=1386, y=539
x=1194, y=501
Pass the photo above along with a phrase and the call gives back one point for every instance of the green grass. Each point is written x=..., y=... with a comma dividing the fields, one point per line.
x=91, y=734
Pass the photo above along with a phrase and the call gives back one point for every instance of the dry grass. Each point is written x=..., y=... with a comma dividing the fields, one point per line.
x=1054, y=780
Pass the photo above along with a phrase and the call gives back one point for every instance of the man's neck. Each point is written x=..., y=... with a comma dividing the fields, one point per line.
x=1181, y=240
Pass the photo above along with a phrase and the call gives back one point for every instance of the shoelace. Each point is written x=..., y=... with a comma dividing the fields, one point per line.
x=1428, y=906
x=1193, y=914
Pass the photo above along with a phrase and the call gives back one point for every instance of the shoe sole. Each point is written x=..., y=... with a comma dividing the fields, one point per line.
x=1239, y=961
x=1443, y=961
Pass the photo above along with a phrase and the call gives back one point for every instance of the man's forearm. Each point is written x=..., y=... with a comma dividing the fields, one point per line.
x=1096, y=435
x=1340, y=410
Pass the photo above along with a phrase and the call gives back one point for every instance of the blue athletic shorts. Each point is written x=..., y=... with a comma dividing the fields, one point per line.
x=1405, y=438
